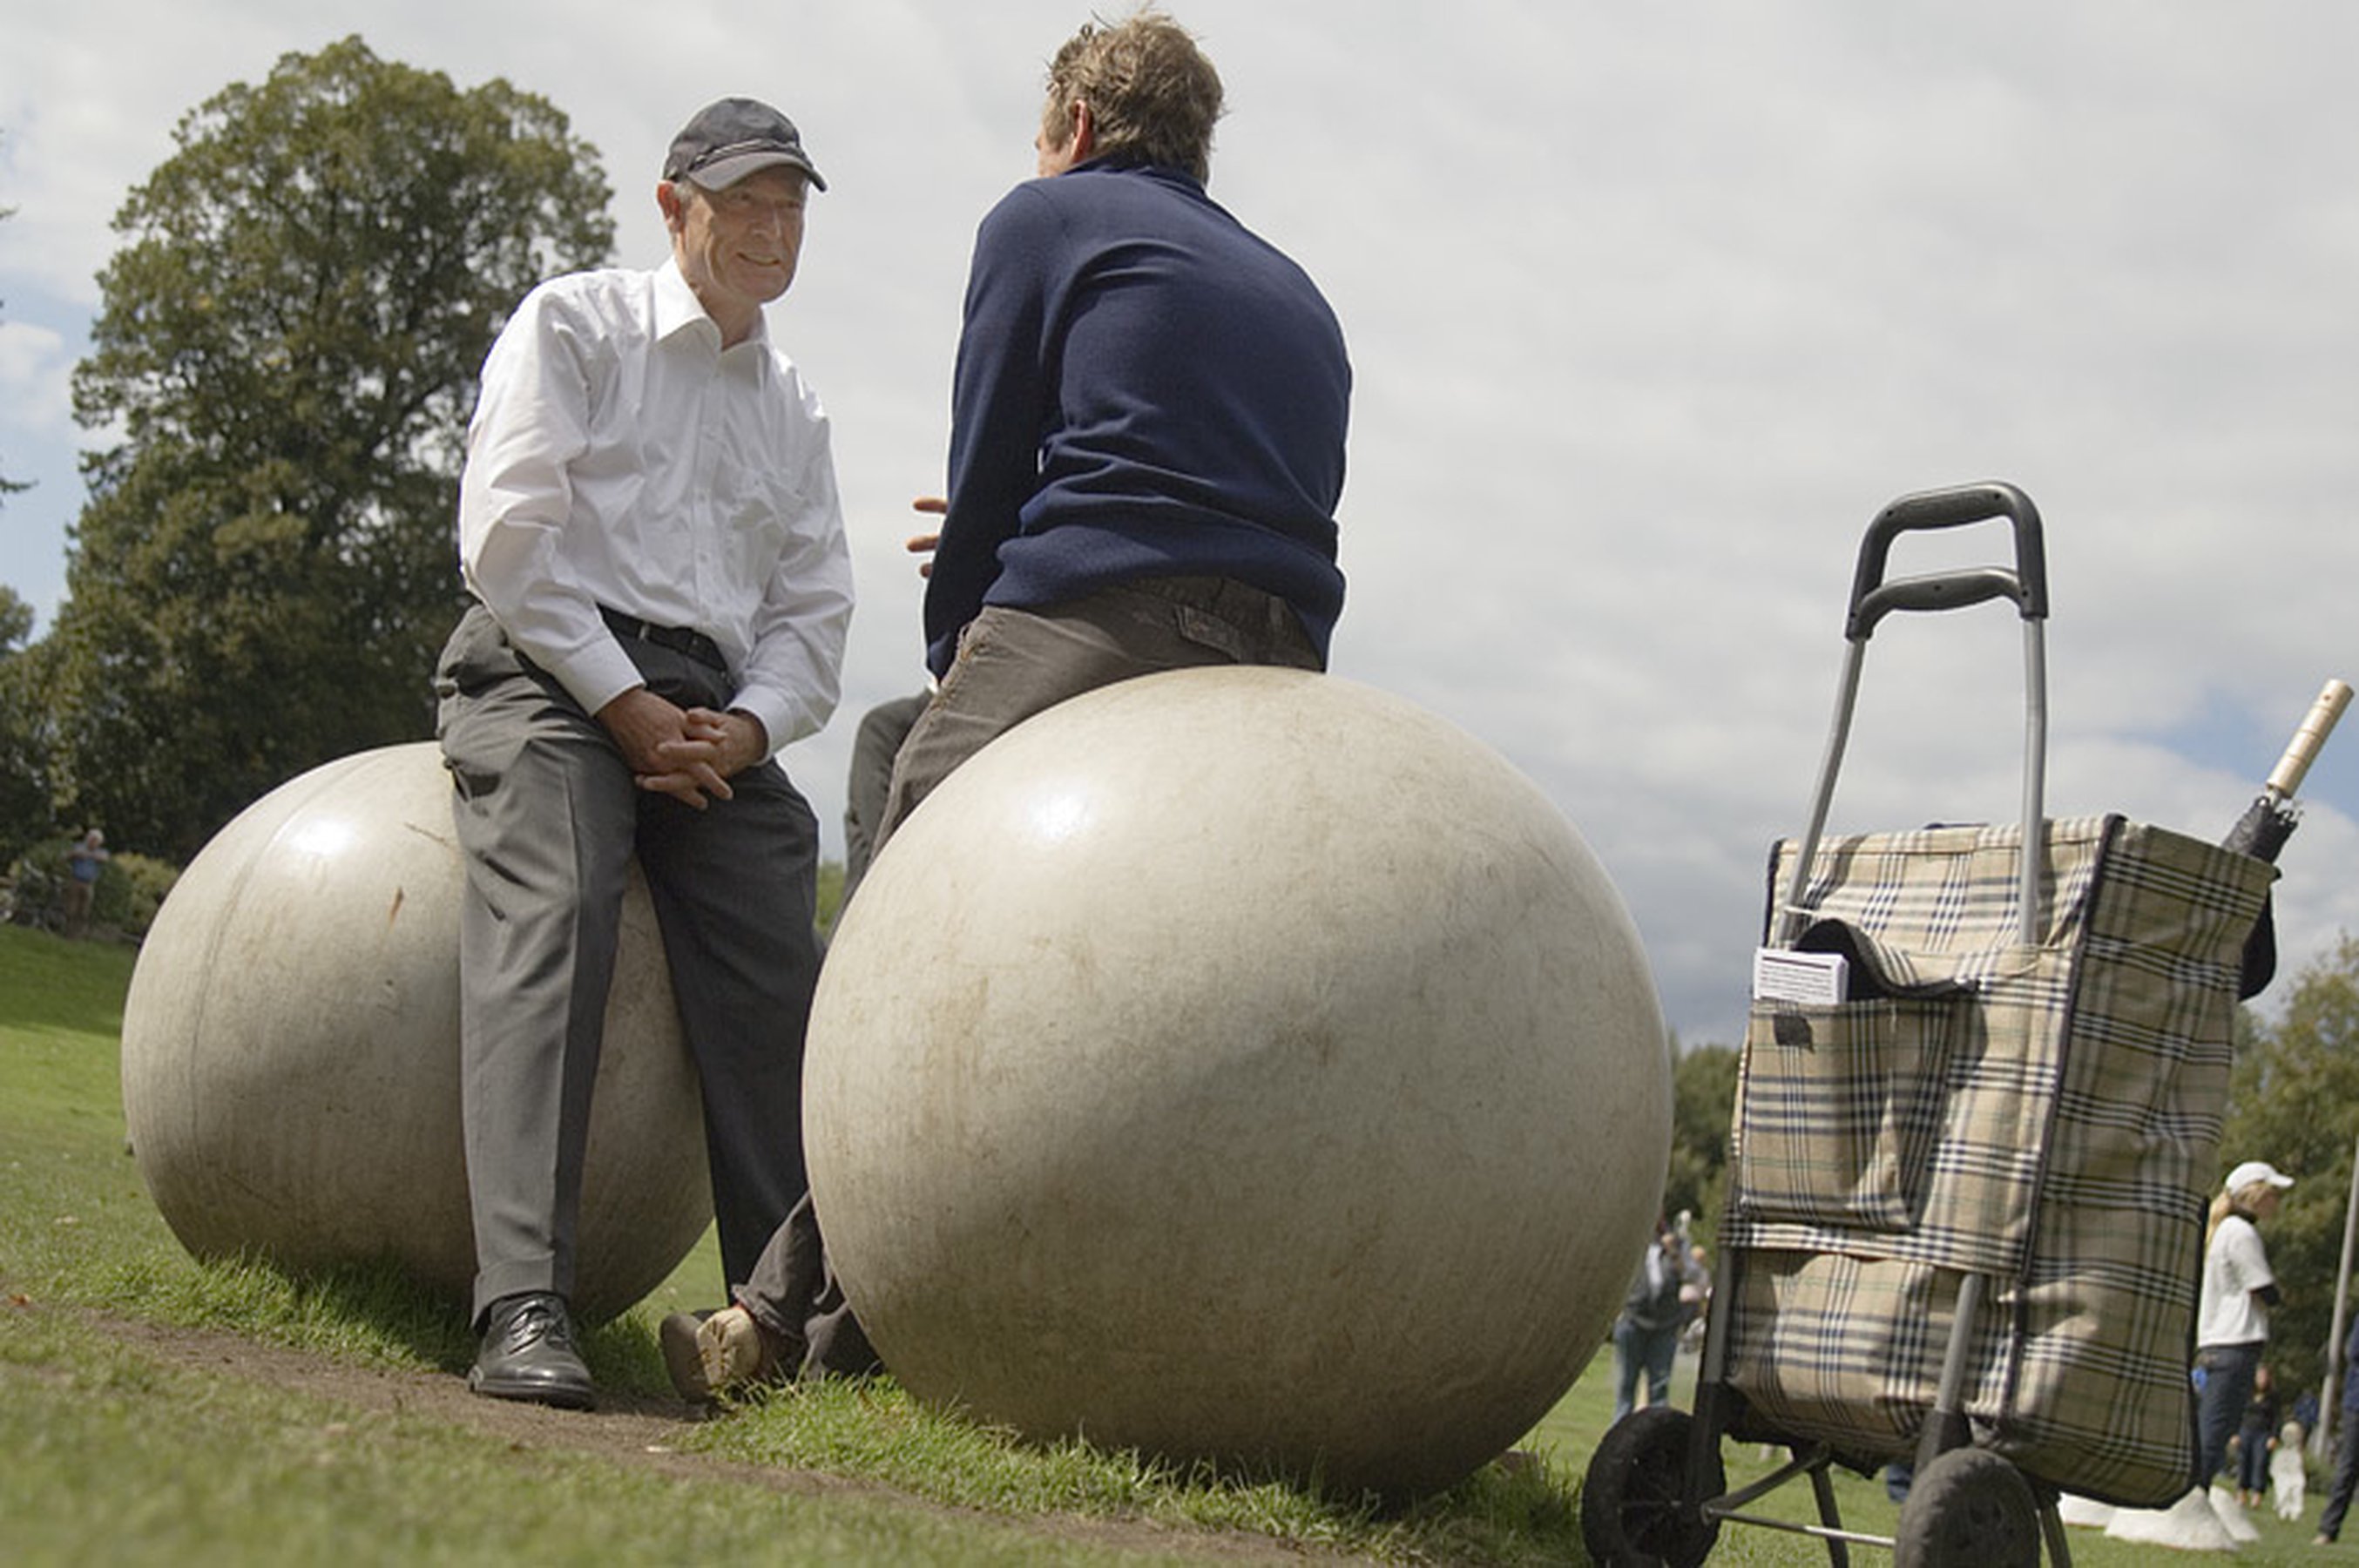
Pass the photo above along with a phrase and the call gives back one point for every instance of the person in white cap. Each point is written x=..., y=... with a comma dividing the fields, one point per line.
x=650, y=525
x=2231, y=1318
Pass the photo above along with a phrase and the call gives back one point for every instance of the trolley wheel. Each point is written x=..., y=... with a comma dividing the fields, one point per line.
x=1633, y=1504
x=1968, y=1508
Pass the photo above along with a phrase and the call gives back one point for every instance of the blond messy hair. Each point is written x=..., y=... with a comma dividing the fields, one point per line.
x=2246, y=1198
x=1152, y=95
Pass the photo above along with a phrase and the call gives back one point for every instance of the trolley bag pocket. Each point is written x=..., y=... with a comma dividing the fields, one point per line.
x=1839, y=1108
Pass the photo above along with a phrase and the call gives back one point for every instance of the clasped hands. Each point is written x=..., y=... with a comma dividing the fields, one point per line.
x=688, y=754
x=691, y=753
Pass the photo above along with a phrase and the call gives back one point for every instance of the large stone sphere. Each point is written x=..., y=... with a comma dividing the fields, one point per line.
x=1244, y=1065
x=291, y=1049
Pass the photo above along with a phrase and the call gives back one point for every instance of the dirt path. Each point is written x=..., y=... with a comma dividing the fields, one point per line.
x=644, y=1433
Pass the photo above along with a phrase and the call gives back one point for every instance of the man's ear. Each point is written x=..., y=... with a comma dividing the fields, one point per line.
x=669, y=202
x=1085, y=131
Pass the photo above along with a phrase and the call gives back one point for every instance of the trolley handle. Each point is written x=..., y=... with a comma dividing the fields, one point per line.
x=1872, y=598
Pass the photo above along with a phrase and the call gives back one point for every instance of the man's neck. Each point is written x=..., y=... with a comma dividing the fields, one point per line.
x=734, y=331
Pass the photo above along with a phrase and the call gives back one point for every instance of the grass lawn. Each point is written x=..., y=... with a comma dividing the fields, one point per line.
x=151, y=1415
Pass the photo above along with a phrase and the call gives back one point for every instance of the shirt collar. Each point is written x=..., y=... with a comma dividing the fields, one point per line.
x=677, y=309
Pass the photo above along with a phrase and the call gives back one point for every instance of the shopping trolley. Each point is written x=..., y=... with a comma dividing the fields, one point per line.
x=1977, y=1114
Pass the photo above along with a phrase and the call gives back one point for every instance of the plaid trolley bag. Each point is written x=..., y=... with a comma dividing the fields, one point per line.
x=2045, y=1117
x=1977, y=1111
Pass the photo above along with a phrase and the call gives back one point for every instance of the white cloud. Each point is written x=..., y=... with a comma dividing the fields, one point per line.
x=1651, y=309
x=35, y=378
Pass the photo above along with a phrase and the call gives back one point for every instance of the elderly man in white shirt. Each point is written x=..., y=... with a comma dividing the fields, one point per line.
x=649, y=524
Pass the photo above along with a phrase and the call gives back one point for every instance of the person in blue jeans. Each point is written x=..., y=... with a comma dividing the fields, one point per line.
x=2232, y=1323
x=1647, y=1333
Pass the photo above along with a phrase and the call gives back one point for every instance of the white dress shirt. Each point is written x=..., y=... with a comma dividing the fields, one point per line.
x=620, y=457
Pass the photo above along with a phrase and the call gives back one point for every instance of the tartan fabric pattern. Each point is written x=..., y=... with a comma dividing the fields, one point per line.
x=1839, y=1121
x=2048, y=1117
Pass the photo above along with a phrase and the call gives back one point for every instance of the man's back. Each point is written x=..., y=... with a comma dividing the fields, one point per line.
x=1136, y=361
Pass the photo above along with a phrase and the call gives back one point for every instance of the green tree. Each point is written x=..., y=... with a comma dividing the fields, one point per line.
x=1703, y=1100
x=288, y=343
x=2294, y=1102
x=24, y=738
x=16, y=621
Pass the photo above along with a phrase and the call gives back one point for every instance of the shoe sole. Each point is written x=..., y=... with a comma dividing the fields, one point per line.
x=555, y=1394
x=676, y=1337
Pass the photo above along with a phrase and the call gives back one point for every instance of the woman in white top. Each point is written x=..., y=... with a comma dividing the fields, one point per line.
x=2231, y=1322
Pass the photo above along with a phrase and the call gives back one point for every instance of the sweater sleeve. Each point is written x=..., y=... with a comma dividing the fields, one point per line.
x=1003, y=398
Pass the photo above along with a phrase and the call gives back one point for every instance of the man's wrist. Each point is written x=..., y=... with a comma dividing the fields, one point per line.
x=761, y=732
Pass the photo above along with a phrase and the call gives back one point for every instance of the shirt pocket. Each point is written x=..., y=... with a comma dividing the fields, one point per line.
x=758, y=503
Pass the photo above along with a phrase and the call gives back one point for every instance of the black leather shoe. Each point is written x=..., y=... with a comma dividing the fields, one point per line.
x=528, y=1354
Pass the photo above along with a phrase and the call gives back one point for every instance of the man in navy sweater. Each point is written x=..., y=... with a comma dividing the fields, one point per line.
x=1148, y=420
x=1146, y=450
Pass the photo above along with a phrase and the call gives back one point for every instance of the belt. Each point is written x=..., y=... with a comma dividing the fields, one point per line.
x=679, y=639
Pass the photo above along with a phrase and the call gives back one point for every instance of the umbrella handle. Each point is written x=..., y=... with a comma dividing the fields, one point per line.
x=2316, y=725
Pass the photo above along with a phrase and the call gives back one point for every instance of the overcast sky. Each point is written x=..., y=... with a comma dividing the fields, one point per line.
x=1652, y=308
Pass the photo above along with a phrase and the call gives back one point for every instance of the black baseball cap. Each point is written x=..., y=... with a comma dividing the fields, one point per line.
x=733, y=137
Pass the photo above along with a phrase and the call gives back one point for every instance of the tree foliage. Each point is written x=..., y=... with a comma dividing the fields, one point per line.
x=2294, y=1102
x=24, y=734
x=25, y=742
x=16, y=620
x=286, y=347
x=1703, y=1101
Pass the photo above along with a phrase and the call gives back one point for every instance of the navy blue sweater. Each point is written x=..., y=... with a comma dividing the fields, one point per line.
x=1144, y=388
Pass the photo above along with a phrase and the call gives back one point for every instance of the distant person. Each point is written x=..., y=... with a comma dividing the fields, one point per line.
x=1646, y=1331
x=2232, y=1323
x=650, y=525
x=1147, y=425
x=2256, y=1436
x=2288, y=1475
x=86, y=860
x=1695, y=1295
x=1900, y=1475
x=2347, y=1445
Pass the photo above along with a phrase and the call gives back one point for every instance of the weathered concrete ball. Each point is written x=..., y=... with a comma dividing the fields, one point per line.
x=291, y=1049
x=1243, y=1065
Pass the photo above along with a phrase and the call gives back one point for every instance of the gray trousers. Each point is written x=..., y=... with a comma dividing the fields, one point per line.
x=1013, y=664
x=869, y=784
x=549, y=818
